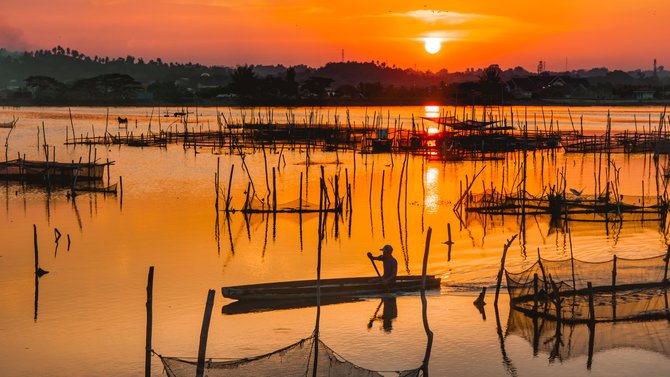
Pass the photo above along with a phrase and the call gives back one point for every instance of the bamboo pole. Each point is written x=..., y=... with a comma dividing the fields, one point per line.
x=216, y=181
x=667, y=259
x=300, y=195
x=274, y=191
x=37, y=253
x=148, y=348
x=502, y=267
x=424, y=304
x=592, y=311
x=535, y=293
x=204, y=331
x=230, y=182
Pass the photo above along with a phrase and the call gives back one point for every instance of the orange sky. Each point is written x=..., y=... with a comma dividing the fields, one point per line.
x=590, y=33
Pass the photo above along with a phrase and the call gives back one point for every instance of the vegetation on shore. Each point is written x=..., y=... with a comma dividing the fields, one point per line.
x=64, y=76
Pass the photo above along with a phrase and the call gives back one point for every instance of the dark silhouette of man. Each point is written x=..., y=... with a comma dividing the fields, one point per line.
x=390, y=264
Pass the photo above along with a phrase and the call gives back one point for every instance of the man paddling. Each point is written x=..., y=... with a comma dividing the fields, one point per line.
x=390, y=264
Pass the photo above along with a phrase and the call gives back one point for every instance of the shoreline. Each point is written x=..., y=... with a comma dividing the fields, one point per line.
x=335, y=103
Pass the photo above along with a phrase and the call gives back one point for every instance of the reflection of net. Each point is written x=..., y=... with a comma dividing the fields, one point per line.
x=294, y=205
x=633, y=292
x=294, y=360
x=574, y=339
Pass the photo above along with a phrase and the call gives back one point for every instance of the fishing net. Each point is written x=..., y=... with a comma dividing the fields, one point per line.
x=621, y=289
x=561, y=340
x=294, y=360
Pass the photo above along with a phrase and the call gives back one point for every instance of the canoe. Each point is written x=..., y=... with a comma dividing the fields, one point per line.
x=347, y=287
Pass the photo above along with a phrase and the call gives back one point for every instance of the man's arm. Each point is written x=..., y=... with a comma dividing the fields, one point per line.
x=381, y=257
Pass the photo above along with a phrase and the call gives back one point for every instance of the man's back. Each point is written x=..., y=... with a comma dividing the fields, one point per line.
x=390, y=269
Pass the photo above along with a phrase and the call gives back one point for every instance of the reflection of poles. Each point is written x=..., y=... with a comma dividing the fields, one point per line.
x=230, y=234
x=591, y=325
x=507, y=362
x=424, y=306
x=37, y=295
x=381, y=202
x=318, y=274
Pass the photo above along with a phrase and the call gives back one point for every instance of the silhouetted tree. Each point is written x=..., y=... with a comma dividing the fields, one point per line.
x=491, y=84
x=244, y=81
x=317, y=85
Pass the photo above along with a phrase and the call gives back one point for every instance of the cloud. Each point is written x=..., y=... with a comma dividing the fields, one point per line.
x=11, y=38
x=444, y=17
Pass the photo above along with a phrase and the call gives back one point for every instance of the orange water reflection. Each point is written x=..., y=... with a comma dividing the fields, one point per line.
x=91, y=305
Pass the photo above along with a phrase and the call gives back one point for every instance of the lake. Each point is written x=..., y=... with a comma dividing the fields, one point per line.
x=87, y=315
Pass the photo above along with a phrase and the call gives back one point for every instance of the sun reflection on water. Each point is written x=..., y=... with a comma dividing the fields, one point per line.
x=432, y=197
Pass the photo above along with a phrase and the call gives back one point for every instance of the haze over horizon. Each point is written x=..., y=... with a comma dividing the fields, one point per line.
x=568, y=34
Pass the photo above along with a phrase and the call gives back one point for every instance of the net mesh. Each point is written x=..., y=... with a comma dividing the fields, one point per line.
x=561, y=340
x=294, y=360
x=621, y=288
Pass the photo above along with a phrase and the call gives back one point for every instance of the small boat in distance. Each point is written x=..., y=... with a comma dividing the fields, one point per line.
x=344, y=287
x=10, y=124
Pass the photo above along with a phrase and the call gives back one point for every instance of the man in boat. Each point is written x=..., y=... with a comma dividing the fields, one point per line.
x=390, y=264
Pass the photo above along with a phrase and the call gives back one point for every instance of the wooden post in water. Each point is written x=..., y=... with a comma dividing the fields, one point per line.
x=150, y=293
x=300, y=195
x=667, y=259
x=592, y=311
x=614, y=288
x=425, y=258
x=37, y=253
x=535, y=293
x=502, y=268
x=217, y=179
x=230, y=182
x=274, y=191
x=424, y=304
x=200, y=370
x=381, y=195
x=121, y=187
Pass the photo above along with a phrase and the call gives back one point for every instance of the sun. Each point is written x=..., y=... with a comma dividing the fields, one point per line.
x=432, y=45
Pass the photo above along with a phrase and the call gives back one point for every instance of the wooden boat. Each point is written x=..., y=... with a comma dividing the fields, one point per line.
x=346, y=287
x=10, y=124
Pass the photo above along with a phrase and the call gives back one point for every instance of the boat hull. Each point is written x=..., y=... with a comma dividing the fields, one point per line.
x=306, y=289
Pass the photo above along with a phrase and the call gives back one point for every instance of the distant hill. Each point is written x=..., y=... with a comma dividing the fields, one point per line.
x=64, y=75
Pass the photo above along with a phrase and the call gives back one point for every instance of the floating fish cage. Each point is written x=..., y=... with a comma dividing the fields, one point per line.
x=576, y=291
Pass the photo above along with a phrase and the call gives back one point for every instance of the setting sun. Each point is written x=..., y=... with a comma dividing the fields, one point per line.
x=432, y=45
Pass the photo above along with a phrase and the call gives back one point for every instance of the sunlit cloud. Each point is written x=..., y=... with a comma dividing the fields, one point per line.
x=445, y=17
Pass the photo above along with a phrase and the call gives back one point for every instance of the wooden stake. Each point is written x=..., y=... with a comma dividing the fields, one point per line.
x=502, y=268
x=150, y=293
x=274, y=191
x=592, y=311
x=37, y=253
x=200, y=370
x=667, y=259
x=230, y=182
x=300, y=195
x=425, y=259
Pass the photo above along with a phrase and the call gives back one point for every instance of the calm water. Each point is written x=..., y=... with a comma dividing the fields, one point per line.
x=89, y=315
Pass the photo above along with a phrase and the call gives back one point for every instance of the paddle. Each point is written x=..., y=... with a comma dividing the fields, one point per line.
x=374, y=265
